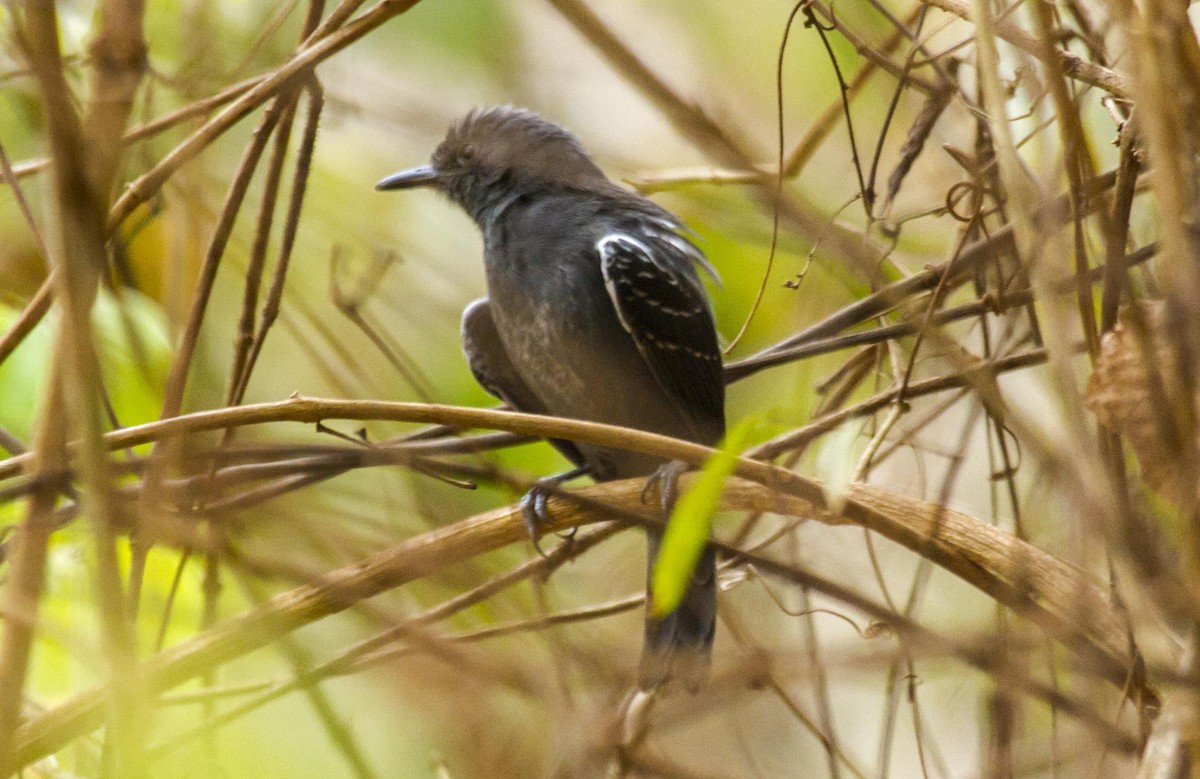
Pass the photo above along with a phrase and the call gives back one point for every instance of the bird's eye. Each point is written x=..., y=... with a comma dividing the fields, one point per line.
x=466, y=153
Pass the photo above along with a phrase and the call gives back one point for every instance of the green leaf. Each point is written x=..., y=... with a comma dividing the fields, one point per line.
x=687, y=529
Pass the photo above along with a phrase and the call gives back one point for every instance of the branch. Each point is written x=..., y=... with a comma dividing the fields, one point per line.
x=1072, y=65
x=924, y=529
x=1055, y=595
x=717, y=142
x=300, y=65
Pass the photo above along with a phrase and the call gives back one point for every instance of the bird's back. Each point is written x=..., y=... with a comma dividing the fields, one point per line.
x=561, y=327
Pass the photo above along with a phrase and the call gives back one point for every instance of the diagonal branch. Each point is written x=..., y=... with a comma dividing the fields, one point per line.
x=1052, y=593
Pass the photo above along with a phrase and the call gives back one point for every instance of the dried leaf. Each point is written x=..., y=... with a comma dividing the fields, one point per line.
x=1131, y=395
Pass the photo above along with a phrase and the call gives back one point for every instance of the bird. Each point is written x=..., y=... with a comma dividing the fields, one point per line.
x=595, y=310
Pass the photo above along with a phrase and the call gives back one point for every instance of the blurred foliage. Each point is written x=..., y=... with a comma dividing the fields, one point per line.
x=543, y=701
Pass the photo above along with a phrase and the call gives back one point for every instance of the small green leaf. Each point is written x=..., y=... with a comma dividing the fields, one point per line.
x=687, y=529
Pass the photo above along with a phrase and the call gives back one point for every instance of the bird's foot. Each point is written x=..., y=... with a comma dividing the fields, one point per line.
x=534, y=508
x=666, y=480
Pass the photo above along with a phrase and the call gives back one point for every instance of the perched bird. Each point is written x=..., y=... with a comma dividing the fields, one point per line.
x=595, y=311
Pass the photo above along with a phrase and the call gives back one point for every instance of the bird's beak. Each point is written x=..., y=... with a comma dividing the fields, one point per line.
x=424, y=176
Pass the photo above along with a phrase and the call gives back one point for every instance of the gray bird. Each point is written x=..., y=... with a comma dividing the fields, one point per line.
x=595, y=311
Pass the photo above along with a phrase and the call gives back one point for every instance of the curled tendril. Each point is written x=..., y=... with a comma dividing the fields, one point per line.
x=955, y=196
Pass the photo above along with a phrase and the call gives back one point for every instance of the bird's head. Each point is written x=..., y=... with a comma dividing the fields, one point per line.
x=492, y=152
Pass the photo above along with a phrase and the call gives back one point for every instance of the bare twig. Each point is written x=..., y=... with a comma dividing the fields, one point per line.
x=1073, y=66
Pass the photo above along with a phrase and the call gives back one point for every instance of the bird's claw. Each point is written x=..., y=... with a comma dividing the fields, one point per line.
x=666, y=479
x=536, y=511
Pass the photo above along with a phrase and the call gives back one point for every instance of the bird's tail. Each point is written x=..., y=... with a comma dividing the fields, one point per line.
x=678, y=646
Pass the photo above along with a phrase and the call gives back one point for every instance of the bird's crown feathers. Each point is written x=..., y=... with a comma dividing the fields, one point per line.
x=506, y=142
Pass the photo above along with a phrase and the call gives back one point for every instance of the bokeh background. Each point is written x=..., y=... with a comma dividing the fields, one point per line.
x=802, y=684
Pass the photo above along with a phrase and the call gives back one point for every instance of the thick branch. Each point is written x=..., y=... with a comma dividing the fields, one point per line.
x=1054, y=594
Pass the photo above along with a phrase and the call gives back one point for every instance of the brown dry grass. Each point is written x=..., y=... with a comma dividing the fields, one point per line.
x=1083, y=661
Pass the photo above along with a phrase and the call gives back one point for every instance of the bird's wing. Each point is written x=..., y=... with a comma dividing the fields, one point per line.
x=492, y=368
x=661, y=303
